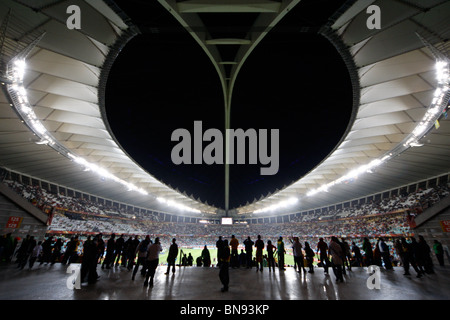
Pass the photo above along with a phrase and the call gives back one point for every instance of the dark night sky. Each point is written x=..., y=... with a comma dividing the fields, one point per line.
x=295, y=82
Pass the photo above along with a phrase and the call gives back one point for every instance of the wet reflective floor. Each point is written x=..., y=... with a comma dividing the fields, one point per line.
x=46, y=282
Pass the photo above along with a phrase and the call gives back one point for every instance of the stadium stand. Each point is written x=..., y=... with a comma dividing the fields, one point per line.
x=388, y=217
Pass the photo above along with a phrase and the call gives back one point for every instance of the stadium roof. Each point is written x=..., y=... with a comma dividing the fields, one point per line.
x=392, y=69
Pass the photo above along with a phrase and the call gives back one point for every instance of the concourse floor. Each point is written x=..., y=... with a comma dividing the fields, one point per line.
x=46, y=282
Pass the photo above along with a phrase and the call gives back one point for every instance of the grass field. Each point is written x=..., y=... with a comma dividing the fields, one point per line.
x=289, y=259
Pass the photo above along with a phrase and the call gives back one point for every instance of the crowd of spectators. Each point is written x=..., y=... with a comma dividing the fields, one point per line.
x=44, y=199
x=372, y=226
x=387, y=217
x=92, y=233
x=416, y=202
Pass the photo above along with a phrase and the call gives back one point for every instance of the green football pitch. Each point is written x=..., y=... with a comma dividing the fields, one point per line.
x=289, y=259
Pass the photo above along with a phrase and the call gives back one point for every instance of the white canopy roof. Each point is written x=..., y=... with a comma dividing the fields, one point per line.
x=397, y=79
x=393, y=71
x=62, y=82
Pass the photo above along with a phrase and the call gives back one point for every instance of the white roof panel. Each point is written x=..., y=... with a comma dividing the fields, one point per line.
x=394, y=70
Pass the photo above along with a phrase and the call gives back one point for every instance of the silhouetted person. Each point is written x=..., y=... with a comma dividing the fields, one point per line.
x=242, y=258
x=281, y=252
x=322, y=250
x=74, y=257
x=425, y=253
x=298, y=255
x=347, y=255
x=110, y=250
x=56, y=254
x=385, y=255
x=152, y=262
x=417, y=253
x=35, y=253
x=22, y=251
x=234, y=243
x=118, y=250
x=70, y=249
x=172, y=256
x=89, y=262
x=368, y=252
x=131, y=252
x=271, y=249
x=125, y=254
x=219, y=246
x=7, y=247
x=439, y=252
x=224, y=275
x=199, y=261
x=47, y=250
x=206, y=257
x=259, y=244
x=343, y=257
x=309, y=253
x=248, y=244
x=408, y=258
x=100, y=248
x=358, y=256
x=336, y=253
x=141, y=251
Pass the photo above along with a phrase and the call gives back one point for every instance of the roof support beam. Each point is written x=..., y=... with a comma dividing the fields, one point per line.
x=186, y=12
x=228, y=41
x=198, y=6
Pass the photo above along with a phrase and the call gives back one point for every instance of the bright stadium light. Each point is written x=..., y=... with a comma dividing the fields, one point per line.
x=16, y=70
x=162, y=200
x=102, y=172
x=18, y=93
x=354, y=174
x=442, y=71
x=282, y=204
x=19, y=69
x=438, y=105
x=172, y=203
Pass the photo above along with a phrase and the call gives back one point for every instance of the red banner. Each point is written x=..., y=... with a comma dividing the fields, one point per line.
x=14, y=222
x=445, y=225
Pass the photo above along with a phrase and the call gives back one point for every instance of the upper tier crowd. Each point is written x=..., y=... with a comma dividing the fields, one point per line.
x=44, y=199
